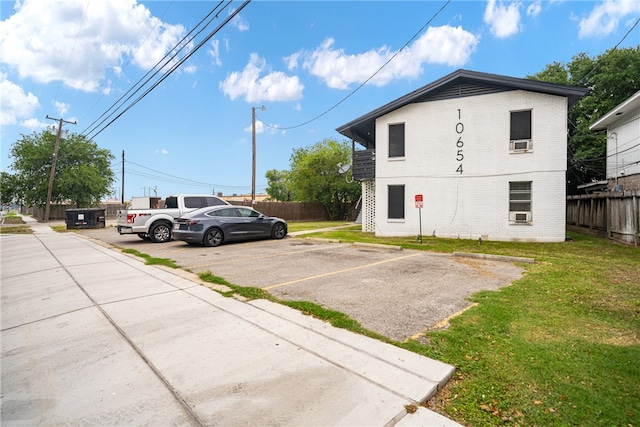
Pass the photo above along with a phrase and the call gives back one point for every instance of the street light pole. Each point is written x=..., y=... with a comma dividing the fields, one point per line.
x=253, y=154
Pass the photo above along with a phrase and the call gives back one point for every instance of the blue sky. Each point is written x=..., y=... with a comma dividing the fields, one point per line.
x=302, y=60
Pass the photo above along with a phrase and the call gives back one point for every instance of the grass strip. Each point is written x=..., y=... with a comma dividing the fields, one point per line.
x=16, y=229
x=149, y=260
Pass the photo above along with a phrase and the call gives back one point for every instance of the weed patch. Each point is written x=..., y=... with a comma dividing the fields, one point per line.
x=149, y=260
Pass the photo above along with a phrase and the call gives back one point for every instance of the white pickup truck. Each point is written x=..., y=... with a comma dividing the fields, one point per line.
x=156, y=224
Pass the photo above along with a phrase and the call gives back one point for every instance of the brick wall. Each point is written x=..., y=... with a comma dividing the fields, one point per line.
x=474, y=203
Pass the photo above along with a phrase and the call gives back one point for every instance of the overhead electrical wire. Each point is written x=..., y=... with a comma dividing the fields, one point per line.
x=177, y=179
x=172, y=69
x=161, y=64
x=610, y=51
x=348, y=96
x=369, y=78
x=124, y=67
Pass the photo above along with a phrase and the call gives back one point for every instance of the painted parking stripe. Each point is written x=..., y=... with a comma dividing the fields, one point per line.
x=266, y=288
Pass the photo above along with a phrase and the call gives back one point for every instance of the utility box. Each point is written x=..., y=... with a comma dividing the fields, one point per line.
x=85, y=218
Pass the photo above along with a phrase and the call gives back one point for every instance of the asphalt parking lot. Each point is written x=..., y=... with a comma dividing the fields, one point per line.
x=397, y=293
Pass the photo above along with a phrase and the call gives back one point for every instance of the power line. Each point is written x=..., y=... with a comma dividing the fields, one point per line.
x=176, y=179
x=610, y=51
x=124, y=67
x=368, y=79
x=172, y=69
x=158, y=67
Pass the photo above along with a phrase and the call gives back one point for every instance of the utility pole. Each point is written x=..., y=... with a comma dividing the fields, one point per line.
x=122, y=192
x=53, y=165
x=253, y=154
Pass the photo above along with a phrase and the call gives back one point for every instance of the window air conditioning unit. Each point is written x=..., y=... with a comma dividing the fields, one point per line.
x=521, y=145
x=520, y=217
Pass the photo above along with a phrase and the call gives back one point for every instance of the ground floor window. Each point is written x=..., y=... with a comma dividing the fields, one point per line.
x=520, y=201
x=396, y=202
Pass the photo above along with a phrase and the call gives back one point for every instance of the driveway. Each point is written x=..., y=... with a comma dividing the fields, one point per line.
x=397, y=293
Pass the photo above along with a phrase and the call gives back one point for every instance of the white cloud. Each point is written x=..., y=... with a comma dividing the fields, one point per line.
x=164, y=151
x=272, y=129
x=259, y=127
x=292, y=61
x=214, y=52
x=16, y=104
x=605, y=17
x=78, y=42
x=239, y=22
x=274, y=86
x=189, y=69
x=61, y=108
x=503, y=21
x=34, y=124
x=438, y=45
x=534, y=8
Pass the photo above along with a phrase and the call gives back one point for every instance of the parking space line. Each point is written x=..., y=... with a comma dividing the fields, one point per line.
x=266, y=288
x=260, y=257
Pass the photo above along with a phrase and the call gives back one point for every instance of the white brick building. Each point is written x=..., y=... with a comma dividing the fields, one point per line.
x=487, y=154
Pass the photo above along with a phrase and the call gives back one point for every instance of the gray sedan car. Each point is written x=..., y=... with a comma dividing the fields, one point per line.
x=215, y=225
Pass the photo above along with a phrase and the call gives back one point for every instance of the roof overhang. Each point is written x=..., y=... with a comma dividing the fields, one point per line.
x=362, y=129
x=617, y=114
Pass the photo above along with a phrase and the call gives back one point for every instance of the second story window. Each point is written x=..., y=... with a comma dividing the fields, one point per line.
x=396, y=140
x=520, y=131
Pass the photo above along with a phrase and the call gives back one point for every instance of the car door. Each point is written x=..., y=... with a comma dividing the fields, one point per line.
x=229, y=222
x=254, y=224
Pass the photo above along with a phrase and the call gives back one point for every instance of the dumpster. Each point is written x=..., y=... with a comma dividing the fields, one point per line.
x=85, y=218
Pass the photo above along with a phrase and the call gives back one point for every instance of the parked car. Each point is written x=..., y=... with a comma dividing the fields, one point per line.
x=150, y=222
x=215, y=225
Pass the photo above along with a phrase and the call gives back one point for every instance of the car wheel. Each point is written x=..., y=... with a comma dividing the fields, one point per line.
x=160, y=232
x=279, y=230
x=143, y=236
x=213, y=237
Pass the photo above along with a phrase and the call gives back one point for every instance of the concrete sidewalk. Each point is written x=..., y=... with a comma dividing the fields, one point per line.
x=92, y=336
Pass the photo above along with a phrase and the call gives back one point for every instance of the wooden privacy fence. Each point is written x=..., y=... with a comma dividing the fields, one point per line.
x=290, y=211
x=615, y=213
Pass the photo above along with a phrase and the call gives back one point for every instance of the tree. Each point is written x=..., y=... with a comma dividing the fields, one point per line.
x=611, y=77
x=8, y=188
x=315, y=176
x=83, y=173
x=278, y=182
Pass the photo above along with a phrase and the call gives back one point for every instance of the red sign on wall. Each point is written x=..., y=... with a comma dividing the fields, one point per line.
x=419, y=202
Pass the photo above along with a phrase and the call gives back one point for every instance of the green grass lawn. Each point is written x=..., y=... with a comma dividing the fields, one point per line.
x=559, y=347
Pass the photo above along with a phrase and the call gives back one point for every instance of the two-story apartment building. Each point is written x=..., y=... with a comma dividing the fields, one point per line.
x=486, y=154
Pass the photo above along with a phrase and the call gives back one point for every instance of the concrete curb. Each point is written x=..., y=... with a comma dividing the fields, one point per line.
x=503, y=258
x=378, y=246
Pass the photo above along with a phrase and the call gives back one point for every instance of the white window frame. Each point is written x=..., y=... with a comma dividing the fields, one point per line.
x=523, y=145
x=520, y=214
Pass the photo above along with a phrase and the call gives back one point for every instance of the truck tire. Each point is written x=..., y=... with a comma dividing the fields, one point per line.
x=160, y=232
